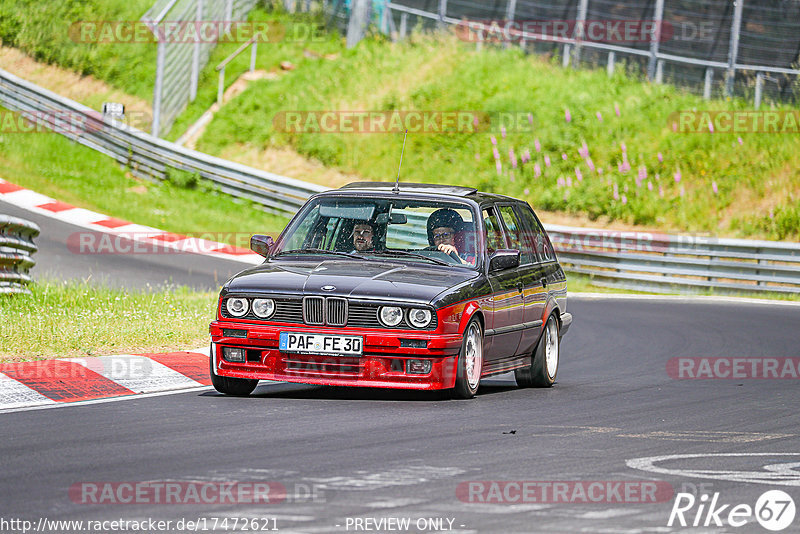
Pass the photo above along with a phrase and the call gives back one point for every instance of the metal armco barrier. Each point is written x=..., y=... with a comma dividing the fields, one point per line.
x=649, y=261
x=634, y=260
x=148, y=156
x=16, y=248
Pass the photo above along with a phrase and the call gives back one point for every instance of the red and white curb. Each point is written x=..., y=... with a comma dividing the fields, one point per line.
x=53, y=382
x=97, y=222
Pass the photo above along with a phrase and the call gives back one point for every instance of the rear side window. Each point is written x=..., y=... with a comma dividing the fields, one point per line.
x=536, y=235
x=517, y=235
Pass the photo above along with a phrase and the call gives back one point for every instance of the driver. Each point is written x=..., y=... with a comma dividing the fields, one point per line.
x=442, y=227
x=363, y=235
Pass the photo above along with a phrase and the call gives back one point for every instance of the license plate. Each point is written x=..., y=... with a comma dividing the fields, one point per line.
x=320, y=343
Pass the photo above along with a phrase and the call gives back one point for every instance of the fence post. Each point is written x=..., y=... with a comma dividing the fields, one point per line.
x=162, y=45
x=510, y=9
x=221, y=86
x=196, y=54
x=655, y=39
x=359, y=19
x=759, y=89
x=229, y=11
x=610, y=66
x=403, y=24
x=707, y=84
x=660, y=71
x=253, y=54
x=442, y=12
x=565, y=57
x=580, y=22
x=733, y=49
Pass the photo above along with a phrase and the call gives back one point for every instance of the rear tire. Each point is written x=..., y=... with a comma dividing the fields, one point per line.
x=544, y=363
x=470, y=361
x=235, y=387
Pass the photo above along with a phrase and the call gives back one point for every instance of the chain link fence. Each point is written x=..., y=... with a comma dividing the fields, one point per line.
x=178, y=64
x=744, y=48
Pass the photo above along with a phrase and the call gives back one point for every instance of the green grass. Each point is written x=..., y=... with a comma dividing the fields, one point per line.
x=50, y=164
x=41, y=29
x=61, y=319
x=442, y=74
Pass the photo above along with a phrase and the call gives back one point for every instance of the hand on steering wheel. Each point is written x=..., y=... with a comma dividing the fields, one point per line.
x=451, y=251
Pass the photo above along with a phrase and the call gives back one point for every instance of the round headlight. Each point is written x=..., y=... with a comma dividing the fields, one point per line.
x=419, y=317
x=263, y=307
x=237, y=306
x=390, y=315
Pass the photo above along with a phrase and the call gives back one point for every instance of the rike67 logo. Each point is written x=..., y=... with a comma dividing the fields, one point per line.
x=774, y=510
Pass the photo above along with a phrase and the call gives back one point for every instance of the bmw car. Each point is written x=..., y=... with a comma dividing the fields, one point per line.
x=415, y=286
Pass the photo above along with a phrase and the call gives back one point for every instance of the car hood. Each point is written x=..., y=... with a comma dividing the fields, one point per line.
x=354, y=279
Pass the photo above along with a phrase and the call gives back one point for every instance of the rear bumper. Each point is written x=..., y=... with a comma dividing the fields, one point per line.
x=566, y=321
x=383, y=362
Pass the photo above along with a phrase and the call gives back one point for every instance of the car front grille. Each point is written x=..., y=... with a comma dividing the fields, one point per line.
x=326, y=311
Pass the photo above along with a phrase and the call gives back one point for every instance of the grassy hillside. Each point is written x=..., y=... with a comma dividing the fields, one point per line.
x=611, y=147
x=53, y=165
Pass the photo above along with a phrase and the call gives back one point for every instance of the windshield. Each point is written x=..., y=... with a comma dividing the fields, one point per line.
x=401, y=229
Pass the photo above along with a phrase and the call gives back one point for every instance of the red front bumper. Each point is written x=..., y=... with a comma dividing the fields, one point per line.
x=383, y=363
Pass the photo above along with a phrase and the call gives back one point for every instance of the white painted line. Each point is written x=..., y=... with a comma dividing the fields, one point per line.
x=780, y=474
x=102, y=401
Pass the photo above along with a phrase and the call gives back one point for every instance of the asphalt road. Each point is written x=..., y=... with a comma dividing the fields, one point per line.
x=54, y=260
x=372, y=454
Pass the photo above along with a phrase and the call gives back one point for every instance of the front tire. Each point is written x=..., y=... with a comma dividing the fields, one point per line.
x=470, y=361
x=236, y=387
x=544, y=364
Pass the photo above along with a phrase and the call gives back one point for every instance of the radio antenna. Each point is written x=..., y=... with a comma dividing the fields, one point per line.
x=397, y=181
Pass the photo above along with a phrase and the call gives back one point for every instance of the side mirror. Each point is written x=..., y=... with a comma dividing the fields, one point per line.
x=261, y=244
x=504, y=259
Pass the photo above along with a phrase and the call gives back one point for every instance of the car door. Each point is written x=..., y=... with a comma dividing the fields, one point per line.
x=504, y=330
x=534, y=277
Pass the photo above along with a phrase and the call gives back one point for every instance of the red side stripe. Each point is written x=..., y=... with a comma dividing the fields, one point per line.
x=9, y=188
x=190, y=364
x=56, y=206
x=63, y=381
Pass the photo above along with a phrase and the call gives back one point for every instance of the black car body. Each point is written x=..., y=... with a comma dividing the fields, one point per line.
x=406, y=312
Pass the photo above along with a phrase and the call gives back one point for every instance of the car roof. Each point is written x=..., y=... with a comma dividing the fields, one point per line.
x=435, y=189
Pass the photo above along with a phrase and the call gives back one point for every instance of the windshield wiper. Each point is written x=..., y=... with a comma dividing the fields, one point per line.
x=411, y=255
x=320, y=251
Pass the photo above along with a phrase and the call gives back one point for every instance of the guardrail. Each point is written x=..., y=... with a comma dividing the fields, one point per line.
x=148, y=156
x=634, y=260
x=16, y=248
x=666, y=263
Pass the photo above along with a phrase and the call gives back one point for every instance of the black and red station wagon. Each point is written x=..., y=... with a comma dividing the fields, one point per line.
x=418, y=286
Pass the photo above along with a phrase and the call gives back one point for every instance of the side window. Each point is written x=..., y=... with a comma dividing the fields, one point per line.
x=536, y=234
x=517, y=235
x=494, y=233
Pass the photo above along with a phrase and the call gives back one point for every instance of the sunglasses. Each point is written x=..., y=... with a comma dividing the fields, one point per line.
x=443, y=235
